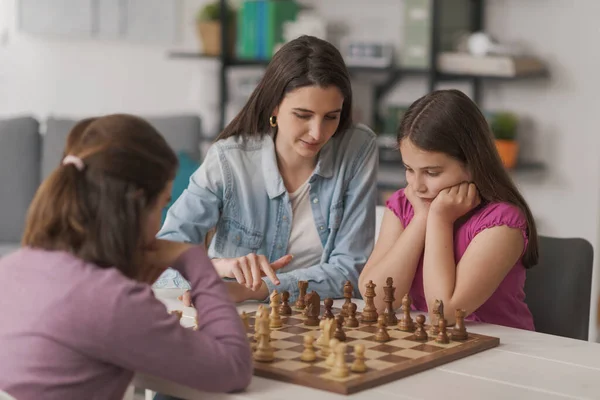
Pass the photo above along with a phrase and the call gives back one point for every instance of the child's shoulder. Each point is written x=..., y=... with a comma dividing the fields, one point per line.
x=400, y=206
x=497, y=214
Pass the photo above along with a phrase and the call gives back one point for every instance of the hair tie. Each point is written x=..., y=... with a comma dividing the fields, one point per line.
x=76, y=161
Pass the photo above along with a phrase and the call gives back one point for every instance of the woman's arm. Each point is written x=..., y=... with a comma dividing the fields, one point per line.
x=132, y=329
x=396, y=255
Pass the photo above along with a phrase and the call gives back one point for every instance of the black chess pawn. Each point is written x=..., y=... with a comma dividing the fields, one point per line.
x=339, y=333
x=328, y=303
x=351, y=321
x=284, y=308
x=406, y=323
x=459, y=332
x=442, y=336
x=420, y=333
x=382, y=334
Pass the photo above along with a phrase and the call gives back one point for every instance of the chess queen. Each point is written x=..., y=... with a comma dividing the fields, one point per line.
x=460, y=231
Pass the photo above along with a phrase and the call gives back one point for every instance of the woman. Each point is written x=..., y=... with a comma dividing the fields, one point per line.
x=289, y=186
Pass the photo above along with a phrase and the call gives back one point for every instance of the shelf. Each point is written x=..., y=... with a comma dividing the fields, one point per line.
x=182, y=54
x=454, y=77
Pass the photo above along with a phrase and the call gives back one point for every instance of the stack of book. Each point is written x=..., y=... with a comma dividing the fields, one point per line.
x=260, y=27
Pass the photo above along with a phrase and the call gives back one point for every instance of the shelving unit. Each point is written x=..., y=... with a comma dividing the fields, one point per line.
x=383, y=79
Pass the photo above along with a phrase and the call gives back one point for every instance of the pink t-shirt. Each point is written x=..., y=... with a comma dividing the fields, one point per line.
x=507, y=305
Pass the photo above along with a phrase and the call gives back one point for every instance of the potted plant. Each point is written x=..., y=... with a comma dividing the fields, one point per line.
x=504, y=127
x=208, y=28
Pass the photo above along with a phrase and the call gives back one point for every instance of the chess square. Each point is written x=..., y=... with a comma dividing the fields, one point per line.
x=367, y=343
x=368, y=328
x=290, y=365
x=291, y=321
x=403, y=343
x=378, y=364
x=298, y=339
x=294, y=330
x=394, y=358
x=357, y=334
x=427, y=348
x=313, y=370
x=386, y=348
x=280, y=334
x=444, y=346
x=330, y=377
x=373, y=354
x=398, y=334
x=284, y=345
x=297, y=348
x=286, y=354
x=411, y=353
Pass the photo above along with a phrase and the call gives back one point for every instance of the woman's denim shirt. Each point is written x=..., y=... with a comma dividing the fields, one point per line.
x=238, y=189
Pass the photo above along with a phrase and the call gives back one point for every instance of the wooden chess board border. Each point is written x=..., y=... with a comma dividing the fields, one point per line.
x=374, y=378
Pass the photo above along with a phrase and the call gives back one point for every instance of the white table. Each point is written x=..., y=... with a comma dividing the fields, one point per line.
x=526, y=365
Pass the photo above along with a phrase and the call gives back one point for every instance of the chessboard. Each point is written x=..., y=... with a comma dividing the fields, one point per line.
x=400, y=356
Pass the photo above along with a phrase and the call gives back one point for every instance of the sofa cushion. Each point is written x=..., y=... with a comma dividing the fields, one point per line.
x=182, y=132
x=187, y=167
x=20, y=145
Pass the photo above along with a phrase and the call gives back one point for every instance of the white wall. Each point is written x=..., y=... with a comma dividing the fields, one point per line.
x=79, y=77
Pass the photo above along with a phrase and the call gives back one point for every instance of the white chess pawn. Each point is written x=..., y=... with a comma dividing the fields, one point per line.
x=330, y=361
x=308, y=354
x=359, y=359
x=340, y=369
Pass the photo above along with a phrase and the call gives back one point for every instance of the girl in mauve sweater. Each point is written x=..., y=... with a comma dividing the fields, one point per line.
x=78, y=313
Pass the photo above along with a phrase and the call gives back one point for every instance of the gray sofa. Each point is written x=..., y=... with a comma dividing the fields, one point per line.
x=27, y=156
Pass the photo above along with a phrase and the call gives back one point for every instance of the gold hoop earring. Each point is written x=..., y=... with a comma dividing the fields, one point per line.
x=273, y=121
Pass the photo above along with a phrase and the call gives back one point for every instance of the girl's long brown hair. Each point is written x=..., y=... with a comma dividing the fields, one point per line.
x=98, y=213
x=447, y=121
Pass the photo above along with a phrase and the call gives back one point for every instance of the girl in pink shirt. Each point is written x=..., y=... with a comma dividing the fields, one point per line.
x=78, y=313
x=460, y=231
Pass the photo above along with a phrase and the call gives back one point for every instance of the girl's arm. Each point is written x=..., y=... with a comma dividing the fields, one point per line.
x=396, y=254
x=132, y=329
x=483, y=266
x=488, y=258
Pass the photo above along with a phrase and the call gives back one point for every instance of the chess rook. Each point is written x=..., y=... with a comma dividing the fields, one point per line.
x=459, y=332
x=302, y=288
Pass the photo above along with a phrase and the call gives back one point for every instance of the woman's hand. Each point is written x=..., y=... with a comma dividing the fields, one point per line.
x=249, y=270
x=240, y=293
x=454, y=202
